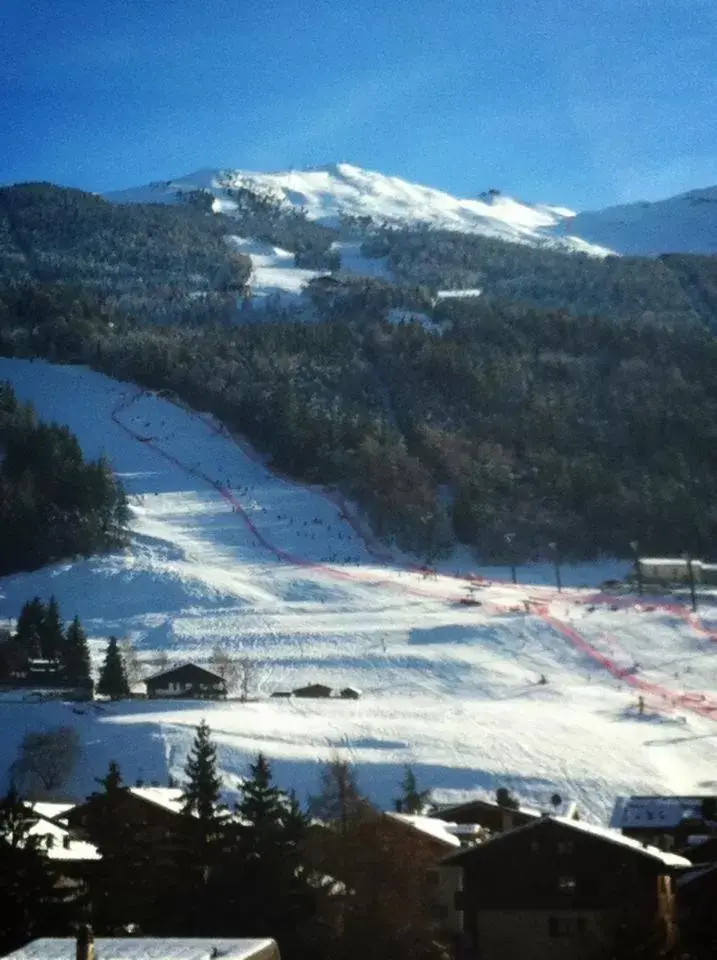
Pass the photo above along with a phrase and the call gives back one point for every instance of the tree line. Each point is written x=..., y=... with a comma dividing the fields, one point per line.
x=53, y=503
x=153, y=261
x=504, y=426
x=61, y=652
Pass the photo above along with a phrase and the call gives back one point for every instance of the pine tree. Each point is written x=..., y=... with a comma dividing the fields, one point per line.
x=340, y=797
x=412, y=800
x=203, y=786
x=113, y=680
x=114, y=901
x=29, y=627
x=262, y=807
x=76, y=654
x=266, y=882
x=504, y=798
x=52, y=633
x=29, y=908
x=205, y=835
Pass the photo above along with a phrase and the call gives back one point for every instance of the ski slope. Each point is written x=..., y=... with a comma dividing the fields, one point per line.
x=224, y=551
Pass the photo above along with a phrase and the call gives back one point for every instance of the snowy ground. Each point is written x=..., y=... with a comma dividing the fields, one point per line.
x=226, y=552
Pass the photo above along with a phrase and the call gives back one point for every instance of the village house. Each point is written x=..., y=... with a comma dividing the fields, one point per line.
x=435, y=839
x=564, y=889
x=488, y=814
x=319, y=690
x=187, y=681
x=670, y=823
x=48, y=677
x=73, y=861
x=152, y=812
x=86, y=947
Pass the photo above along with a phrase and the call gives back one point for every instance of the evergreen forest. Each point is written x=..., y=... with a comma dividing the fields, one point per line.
x=54, y=504
x=573, y=404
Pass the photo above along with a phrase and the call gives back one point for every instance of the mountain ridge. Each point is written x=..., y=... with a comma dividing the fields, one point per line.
x=331, y=192
x=685, y=223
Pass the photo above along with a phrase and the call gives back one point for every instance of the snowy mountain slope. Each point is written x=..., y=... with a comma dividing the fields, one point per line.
x=683, y=224
x=225, y=551
x=329, y=192
x=274, y=273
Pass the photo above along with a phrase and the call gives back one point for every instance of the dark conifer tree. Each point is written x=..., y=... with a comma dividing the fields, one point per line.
x=113, y=679
x=29, y=907
x=204, y=830
x=76, y=655
x=29, y=627
x=412, y=800
x=202, y=788
x=52, y=633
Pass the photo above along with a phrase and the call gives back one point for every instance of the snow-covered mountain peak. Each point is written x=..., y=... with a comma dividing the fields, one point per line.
x=333, y=191
x=686, y=223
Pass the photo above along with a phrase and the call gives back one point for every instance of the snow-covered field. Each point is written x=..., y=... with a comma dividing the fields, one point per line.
x=224, y=551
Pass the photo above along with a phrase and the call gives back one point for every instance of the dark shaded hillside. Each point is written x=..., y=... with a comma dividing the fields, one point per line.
x=586, y=431
x=670, y=289
x=53, y=504
x=155, y=262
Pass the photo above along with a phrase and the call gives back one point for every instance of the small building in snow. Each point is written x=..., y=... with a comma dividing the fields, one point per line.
x=666, y=822
x=664, y=570
x=350, y=693
x=319, y=690
x=187, y=681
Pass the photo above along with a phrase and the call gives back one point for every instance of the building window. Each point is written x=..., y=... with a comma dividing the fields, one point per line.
x=566, y=847
x=564, y=927
x=566, y=884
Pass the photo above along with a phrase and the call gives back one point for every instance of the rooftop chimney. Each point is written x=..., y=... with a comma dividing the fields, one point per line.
x=85, y=949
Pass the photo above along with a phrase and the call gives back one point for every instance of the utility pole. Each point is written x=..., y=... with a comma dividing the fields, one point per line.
x=509, y=538
x=556, y=563
x=635, y=546
x=691, y=578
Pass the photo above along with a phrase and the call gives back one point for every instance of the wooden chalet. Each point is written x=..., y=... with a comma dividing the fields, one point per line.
x=153, y=812
x=318, y=690
x=187, y=681
x=671, y=823
x=559, y=889
x=73, y=861
x=488, y=814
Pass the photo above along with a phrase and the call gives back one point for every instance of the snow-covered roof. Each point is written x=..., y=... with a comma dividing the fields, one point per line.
x=650, y=813
x=486, y=803
x=149, y=948
x=50, y=811
x=668, y=561
x=178, y=666
x=592, y=829
x=170, y=798
x=436, y=829
x=61, y=845
x=614, y=836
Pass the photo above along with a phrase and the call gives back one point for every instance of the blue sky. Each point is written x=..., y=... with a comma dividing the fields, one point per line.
x=580, y=102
